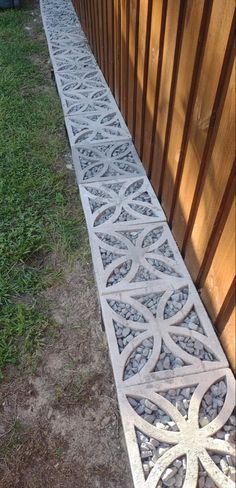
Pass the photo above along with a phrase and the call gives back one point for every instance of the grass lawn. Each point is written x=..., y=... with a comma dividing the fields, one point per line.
x=37, y=220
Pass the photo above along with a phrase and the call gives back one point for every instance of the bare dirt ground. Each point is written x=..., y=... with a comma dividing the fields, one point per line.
x=67, y=430
x=60, y=425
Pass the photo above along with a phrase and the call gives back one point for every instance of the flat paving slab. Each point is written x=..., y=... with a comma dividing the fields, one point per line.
x=128, y=201
x=70, y=33
x=96, y=128
x=107, y=161
x=68, y=84
x=181, y=432
x=87, y=101
x=130, y=257
x=159, y=332
x=83, y=60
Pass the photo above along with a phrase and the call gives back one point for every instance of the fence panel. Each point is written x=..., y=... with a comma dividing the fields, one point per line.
x=169, y=64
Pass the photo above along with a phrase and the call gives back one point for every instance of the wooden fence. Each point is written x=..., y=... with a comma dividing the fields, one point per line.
x=170, y=65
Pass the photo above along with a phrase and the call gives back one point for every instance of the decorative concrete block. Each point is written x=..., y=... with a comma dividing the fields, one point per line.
x=96, y=128
x=70, y=52
x=89, y=101
x=159, y=332
x=129, y=257
x=106, y=161
x=64, y=19
x=86, y=63
x=72, y=32
x=75, y=40
x=57, y=14
x=83, y=60
x=69, y=84
x=72, y=44
x=181, y=432
x=130, y=201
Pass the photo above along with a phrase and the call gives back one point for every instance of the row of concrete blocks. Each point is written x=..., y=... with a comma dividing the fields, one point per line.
x=175, y=390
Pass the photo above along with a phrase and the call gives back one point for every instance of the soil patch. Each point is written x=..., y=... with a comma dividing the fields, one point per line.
x=59, y=424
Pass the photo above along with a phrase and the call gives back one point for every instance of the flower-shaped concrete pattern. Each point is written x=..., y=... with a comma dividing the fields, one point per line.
x=71, y=83
x=160, y=331
x=74, y=34
x=132, y=201
x=79, y=102
x=181, y=433
x=67, y=66
x=59, y=12
x=131, y=258
x=71, y=43
x=96, y=128
x=106, y=161
x=83, y=59
x=65, y=18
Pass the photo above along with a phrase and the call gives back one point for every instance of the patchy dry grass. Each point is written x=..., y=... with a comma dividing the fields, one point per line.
x=37, y=216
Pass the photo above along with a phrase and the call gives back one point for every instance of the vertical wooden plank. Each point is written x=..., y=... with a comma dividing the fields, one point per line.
x=88, y=23
x=96, y=25
x=221, y=19
x=133, y=57
x=91, y=40
x=100, y=35
x=174, y=75
x=142, y=65
x=85, y=18
x=153, y=77
x=228, y=339
x=124, y=55
x=194, y=35
x=105, y=46
x=110, y=43
x=222, y=271
x=172, y=15
x=93, y=28
x=225, y=325
x=215, y=182
x=215, y=234
x=212, y=133
x=117, y=50
x=92, y=32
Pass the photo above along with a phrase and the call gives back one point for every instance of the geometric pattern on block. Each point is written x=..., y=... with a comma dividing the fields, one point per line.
x=83, y=59
x=127, y=258
x=131, y=201
x=106, y=161
x=68, y=83
x=67, y=38
x=159, y=332
x=181, y=433
x=70, y=52
x=96, y=128
x=85, y=63
x=72, y=43
x=80, y=102
x=57, y=13
x=64, y=19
